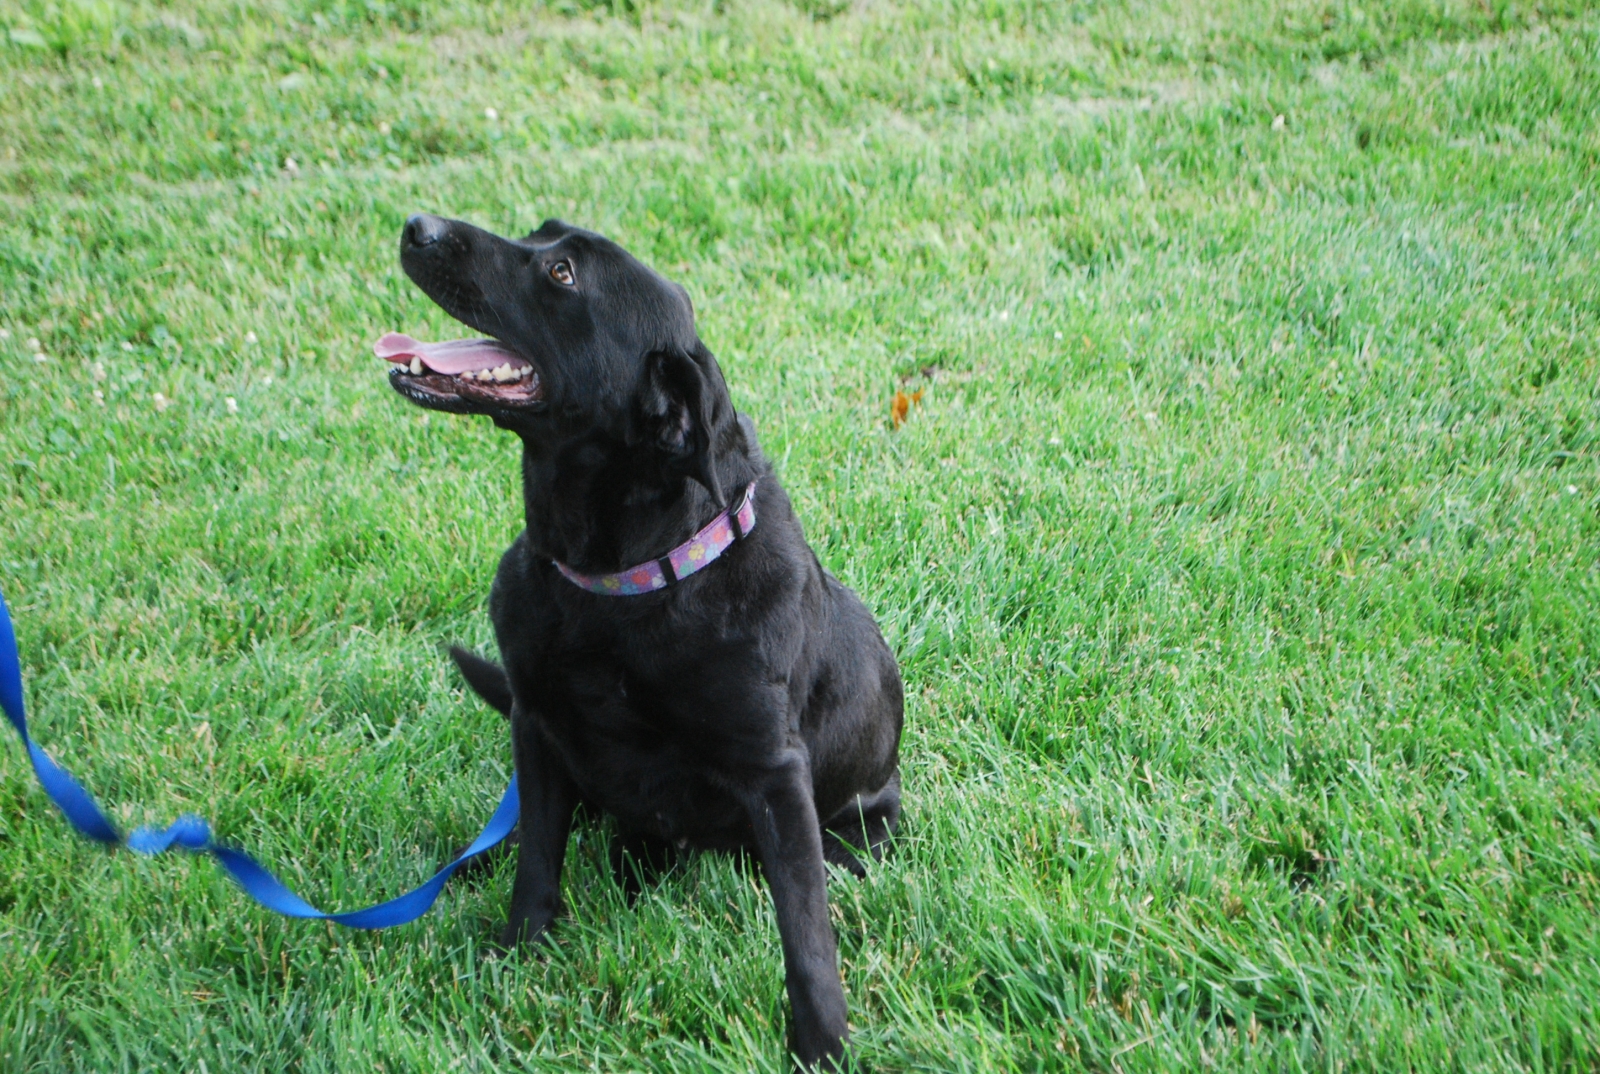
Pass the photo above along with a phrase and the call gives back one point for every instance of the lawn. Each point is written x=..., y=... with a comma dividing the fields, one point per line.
x=1240, y=554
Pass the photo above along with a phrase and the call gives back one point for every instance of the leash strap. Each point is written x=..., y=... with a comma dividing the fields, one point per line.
x=194, y=834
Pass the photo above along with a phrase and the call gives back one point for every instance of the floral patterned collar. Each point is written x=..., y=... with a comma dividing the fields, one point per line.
x=692, y=555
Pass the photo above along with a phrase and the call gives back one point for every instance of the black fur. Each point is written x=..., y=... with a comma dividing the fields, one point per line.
x=486, y=677
x=752, y=706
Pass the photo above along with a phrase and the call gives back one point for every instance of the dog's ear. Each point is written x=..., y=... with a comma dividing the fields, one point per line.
x=679, y=411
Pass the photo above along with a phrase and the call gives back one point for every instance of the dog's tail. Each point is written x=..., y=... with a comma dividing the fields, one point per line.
x=486, y=677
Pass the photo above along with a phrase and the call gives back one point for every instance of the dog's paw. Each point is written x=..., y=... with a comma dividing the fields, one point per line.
x=638, y=862
x=824, y=1057
x=524, y=937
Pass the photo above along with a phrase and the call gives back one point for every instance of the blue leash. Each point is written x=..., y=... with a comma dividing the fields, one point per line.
x=194, y=834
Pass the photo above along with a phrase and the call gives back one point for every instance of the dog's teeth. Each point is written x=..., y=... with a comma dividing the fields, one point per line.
x=503, y=373
x=416, y=366
x=484, y=374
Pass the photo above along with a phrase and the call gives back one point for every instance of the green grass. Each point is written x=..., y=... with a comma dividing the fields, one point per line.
x=1241, y=557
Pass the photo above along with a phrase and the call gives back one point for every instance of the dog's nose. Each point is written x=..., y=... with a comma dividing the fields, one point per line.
x=423, y=229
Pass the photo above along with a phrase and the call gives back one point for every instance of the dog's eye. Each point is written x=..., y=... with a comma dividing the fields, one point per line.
x=561, y=272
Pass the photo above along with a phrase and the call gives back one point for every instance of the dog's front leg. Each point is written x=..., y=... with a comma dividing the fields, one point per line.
x=546, y=798
x=783, y=815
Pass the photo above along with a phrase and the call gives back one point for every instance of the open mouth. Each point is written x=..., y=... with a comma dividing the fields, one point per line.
x=460, y=373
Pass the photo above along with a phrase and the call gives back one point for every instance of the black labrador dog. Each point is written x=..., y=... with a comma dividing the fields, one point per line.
x=740, y=698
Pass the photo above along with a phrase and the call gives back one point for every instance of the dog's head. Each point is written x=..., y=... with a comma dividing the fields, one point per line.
x=593, y=356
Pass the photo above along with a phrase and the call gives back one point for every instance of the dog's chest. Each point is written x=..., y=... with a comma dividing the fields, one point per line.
x=641, y=757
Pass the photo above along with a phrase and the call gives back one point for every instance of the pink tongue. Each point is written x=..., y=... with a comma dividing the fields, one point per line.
x=452, y=356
